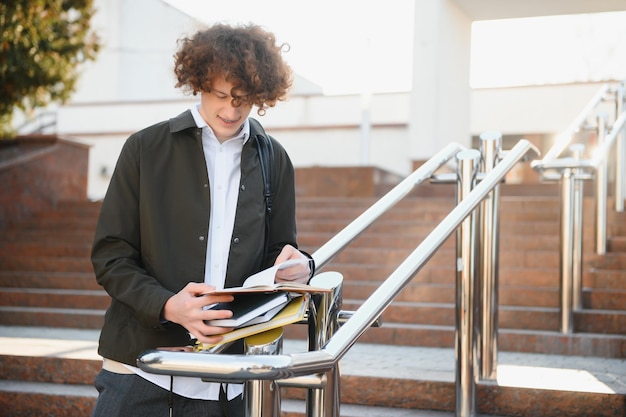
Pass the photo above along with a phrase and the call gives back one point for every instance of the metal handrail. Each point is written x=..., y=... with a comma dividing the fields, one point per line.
x=586, y=164
x=563, y=140
x=237, y=368
x=571, y=172
x=605, y=148
x=342, y=239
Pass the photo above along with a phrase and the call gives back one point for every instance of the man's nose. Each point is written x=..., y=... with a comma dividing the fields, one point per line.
x=231, y=111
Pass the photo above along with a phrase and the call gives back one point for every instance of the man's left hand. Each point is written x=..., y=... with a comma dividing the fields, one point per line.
x=297, y=273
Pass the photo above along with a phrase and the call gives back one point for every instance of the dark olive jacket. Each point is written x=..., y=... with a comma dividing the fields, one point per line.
x=151, y=238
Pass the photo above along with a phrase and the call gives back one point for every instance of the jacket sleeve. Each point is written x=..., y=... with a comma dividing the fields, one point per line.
x=116, y=251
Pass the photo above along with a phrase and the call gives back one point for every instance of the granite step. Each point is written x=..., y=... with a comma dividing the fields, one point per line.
x=80, y=248
x=52, y=317
x=46, y=279
x=616, y=244
x=54, y=298
x=46, y=263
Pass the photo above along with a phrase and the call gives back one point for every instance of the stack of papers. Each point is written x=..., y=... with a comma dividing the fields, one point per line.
x=262, y=304
x=250, y=308
x=293, y=312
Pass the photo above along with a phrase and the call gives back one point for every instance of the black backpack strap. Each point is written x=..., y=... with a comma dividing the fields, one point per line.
x=266, y=157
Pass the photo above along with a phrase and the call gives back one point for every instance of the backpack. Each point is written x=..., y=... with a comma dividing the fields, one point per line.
x=265, y=150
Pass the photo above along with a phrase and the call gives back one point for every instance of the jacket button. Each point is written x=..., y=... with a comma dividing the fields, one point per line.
x=201, y=238
x=243, y=187
x=236, y=240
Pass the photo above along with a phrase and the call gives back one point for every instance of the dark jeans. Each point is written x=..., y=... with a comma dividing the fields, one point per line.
x=123, y=395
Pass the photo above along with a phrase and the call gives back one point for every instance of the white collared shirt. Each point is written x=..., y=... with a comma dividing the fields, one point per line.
x=223, y=162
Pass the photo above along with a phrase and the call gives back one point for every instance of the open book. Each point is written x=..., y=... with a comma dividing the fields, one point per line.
x=264, y=281
x=293, y=312
x=250, y=308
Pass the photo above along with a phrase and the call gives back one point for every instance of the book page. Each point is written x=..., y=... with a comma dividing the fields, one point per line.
x=264, y=282
x=267, y=276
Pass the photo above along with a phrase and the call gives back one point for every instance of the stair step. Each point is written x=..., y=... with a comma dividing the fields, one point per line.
x=79, y=248
x=600, y=321
x=609, y=261
x=54, y=298
x=52, y=317
x=608, y=279
x=60, y=223
x=19, y=399
x=605, y=299
x=46, y=263
x=51, y=369
x=45, y=279
x=616, y=244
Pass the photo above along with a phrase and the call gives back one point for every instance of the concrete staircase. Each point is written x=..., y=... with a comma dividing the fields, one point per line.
x=47, y=283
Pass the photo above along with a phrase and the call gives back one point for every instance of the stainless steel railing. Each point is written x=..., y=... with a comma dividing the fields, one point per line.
x=572, y=170
x=342, y=239
x=317, y=368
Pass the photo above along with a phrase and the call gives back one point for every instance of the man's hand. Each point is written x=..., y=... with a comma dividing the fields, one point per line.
x=297, y=273
x=187, y=309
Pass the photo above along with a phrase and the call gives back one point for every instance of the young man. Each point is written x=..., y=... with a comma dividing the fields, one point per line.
x=185, y=214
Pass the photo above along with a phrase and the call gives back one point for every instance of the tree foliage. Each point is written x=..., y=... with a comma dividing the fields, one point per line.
x=42, y=46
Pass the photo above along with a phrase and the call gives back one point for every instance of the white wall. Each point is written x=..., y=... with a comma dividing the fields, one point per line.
x=533, y=109
x=136, y=61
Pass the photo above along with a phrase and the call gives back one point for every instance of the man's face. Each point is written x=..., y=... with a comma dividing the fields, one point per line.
x=217, y=109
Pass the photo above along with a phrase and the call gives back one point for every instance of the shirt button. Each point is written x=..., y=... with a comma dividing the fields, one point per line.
x=236, y=240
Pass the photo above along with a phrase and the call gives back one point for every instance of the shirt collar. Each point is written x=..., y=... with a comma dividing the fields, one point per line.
x=244, y=133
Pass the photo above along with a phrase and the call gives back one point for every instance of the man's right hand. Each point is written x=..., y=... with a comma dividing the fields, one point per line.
x=187, y=309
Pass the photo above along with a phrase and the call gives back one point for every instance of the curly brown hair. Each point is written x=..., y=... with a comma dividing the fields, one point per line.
x=247, y=56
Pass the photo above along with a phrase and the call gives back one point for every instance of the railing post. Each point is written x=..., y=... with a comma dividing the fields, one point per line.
x=323, y=313
x=601, y=191
x=577, y=151
x=620, y=153
x=490, y=148
x=262, y=398
x=567, y=249
x=468, y=161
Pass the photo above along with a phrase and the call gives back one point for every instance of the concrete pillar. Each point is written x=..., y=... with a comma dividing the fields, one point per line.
x=440, y=97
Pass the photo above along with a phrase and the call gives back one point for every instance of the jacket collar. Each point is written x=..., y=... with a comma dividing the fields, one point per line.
x=185, y=120
x=182, y=121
